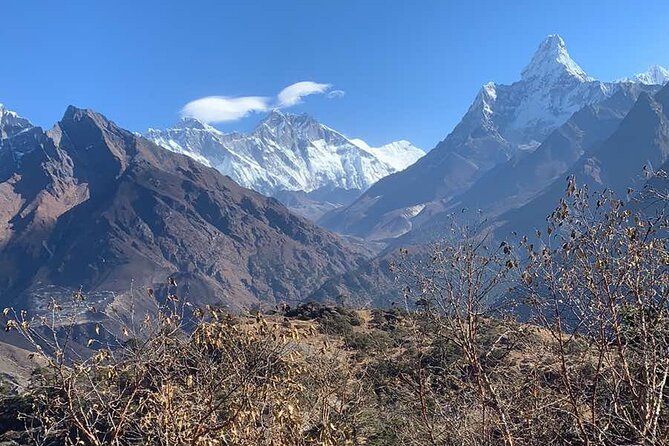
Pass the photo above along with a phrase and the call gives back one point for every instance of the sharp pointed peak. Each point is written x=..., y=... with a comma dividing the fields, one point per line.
x=488, y=90
x=554, y=40
x=654, y=75
x=71, y=111
x=551, y=60
x=277, y=116
x=4, y=111
x=274, y=116
x=74, y=113
x=277, y=112
x=75, y=117
x=190, y=122
x=656, y=67
x=11, y=123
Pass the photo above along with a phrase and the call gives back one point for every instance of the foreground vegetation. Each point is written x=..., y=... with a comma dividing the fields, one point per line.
x=560, y=338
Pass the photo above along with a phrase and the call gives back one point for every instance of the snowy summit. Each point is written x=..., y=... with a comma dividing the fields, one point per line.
x=288, y=152
x=655, y=75
x=551, y=62
x=11, y=123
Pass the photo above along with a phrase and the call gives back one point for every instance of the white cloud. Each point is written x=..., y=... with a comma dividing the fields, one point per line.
x=293, y=94
x=222, y=109
x=212, y=109
x=334, y=94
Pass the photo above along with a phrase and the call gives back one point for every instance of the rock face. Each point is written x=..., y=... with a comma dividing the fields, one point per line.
x=88, y=204
x=11, y=123
x=289, y=153
x=513, y=184
x=637, y=147
x=504, y=123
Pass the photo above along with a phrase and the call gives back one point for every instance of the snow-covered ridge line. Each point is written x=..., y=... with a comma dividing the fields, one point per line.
x=288, y=152
x=552, y=61
x=654, y=75
x=11, y=123
x=551, y=88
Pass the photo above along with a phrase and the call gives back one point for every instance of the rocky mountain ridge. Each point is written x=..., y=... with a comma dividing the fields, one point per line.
x=88, y=205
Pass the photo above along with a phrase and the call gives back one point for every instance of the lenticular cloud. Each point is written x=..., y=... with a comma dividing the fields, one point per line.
x=213, y=109
x=293, y=94
x=222, y=109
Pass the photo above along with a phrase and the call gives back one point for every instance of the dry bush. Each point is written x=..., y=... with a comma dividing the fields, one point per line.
x=224, y=381
x=599, y=282
x=558, y=339
x=462, y=384
x=591, y=367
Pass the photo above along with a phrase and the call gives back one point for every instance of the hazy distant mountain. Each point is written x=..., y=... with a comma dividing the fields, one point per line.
x=88, y=204
x=655, y=75
x=505, y=122
x=289, y=153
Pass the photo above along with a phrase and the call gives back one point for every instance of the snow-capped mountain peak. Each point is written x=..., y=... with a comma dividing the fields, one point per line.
x=277, y=118
x=192, y=123
x=551, y=62
x=289, y=125
x=551, y=88
x=11, y=123
x=655, y=75
x=288, y=152
x=505, y=122
x=398, y=154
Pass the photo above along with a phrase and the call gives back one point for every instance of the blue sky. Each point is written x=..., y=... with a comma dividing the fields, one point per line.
x=409, y=69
